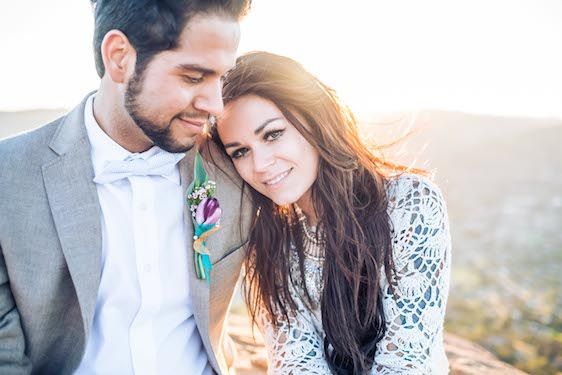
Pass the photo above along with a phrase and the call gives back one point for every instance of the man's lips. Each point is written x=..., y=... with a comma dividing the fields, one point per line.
x=195, y=125
x=195, y=122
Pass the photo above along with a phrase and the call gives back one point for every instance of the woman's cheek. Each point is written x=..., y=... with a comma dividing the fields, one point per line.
x=244, y=172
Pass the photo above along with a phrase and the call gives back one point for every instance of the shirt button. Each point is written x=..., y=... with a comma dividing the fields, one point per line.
x=147, y=268
x=142, y=206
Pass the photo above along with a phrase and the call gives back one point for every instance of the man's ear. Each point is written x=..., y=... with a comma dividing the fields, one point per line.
x=119, y=56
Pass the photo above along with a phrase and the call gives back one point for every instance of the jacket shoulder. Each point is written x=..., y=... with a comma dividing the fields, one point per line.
x=32, y=141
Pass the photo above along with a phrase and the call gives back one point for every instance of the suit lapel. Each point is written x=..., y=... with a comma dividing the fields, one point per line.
x=75, y=208
x=199, y=289
x=211, y=300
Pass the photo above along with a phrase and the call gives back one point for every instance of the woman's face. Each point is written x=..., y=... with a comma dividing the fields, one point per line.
x=268, y=152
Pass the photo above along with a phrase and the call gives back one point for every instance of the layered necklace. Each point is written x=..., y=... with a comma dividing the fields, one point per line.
x=314, y=242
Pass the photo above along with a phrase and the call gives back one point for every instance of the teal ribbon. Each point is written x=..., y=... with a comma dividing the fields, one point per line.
x=203, y=264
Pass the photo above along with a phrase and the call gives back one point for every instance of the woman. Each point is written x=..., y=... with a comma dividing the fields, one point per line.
x=348, y=267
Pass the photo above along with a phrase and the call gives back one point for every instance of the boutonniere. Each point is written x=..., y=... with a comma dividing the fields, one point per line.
x=205, y=215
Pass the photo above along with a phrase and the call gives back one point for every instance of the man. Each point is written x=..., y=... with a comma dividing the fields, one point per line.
x=97, y=265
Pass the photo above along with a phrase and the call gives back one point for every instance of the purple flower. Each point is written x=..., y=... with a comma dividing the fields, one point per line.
x=208, y=212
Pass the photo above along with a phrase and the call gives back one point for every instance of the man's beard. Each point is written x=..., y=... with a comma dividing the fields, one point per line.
x=160, y=135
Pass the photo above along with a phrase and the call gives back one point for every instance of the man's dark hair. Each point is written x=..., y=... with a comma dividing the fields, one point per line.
x=153, y=26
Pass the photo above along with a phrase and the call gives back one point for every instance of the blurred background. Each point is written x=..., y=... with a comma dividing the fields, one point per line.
x=472, y=88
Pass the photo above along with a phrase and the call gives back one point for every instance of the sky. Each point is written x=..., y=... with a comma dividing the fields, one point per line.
x=483, y=56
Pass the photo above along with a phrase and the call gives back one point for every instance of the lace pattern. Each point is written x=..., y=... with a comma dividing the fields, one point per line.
x=413, y=343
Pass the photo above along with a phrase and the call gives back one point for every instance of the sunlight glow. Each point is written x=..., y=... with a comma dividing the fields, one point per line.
x=478, y=56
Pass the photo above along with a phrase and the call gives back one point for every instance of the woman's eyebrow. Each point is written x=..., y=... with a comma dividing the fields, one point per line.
x=257, y=131
x=232, y=144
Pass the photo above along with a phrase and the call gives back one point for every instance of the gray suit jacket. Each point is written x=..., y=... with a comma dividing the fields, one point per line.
x=50, y=249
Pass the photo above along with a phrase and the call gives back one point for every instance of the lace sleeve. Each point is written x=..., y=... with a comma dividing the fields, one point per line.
x=294, y=348
x=422, y=253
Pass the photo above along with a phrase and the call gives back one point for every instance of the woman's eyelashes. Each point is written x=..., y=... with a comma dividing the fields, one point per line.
x=273, y=134
x=269, y=136
x=238, y=153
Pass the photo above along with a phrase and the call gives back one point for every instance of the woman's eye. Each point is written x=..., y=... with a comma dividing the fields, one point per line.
x=237, y=154
x=273, y=135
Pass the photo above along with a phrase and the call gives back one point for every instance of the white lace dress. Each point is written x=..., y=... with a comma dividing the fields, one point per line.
x=413, y=343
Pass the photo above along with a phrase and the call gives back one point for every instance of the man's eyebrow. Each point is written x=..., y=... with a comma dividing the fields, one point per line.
x=258, y=130
x=196, y=68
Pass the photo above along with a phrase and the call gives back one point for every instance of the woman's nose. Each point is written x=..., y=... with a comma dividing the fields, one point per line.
x=263, y=159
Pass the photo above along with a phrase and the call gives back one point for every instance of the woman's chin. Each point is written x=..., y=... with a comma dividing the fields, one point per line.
x=282, y=198
x=285, y=201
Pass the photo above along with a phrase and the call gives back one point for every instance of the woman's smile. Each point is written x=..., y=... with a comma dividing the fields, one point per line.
x=276, y=181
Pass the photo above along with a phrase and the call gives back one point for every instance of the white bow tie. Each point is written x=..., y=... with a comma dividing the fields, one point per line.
x=160, y=164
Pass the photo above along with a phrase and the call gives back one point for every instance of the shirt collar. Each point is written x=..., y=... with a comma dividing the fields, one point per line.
x=105, y=149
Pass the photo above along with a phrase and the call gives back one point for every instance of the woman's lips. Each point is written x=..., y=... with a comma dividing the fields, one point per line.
x=276, y=180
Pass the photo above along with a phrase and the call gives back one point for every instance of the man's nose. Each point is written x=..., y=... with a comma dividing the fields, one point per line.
x=210, y=99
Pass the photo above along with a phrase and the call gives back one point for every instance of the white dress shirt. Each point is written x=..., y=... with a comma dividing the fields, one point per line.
x=143, y=322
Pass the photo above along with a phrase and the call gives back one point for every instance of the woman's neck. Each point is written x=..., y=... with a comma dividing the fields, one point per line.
x=305, y=204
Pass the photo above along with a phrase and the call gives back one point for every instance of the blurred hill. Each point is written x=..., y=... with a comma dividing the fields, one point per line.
x=502, y=178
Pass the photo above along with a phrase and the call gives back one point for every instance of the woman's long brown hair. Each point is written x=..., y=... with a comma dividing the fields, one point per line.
x=350, y=200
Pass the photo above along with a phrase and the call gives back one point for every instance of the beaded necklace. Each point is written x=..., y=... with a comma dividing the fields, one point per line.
x=313, y=242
